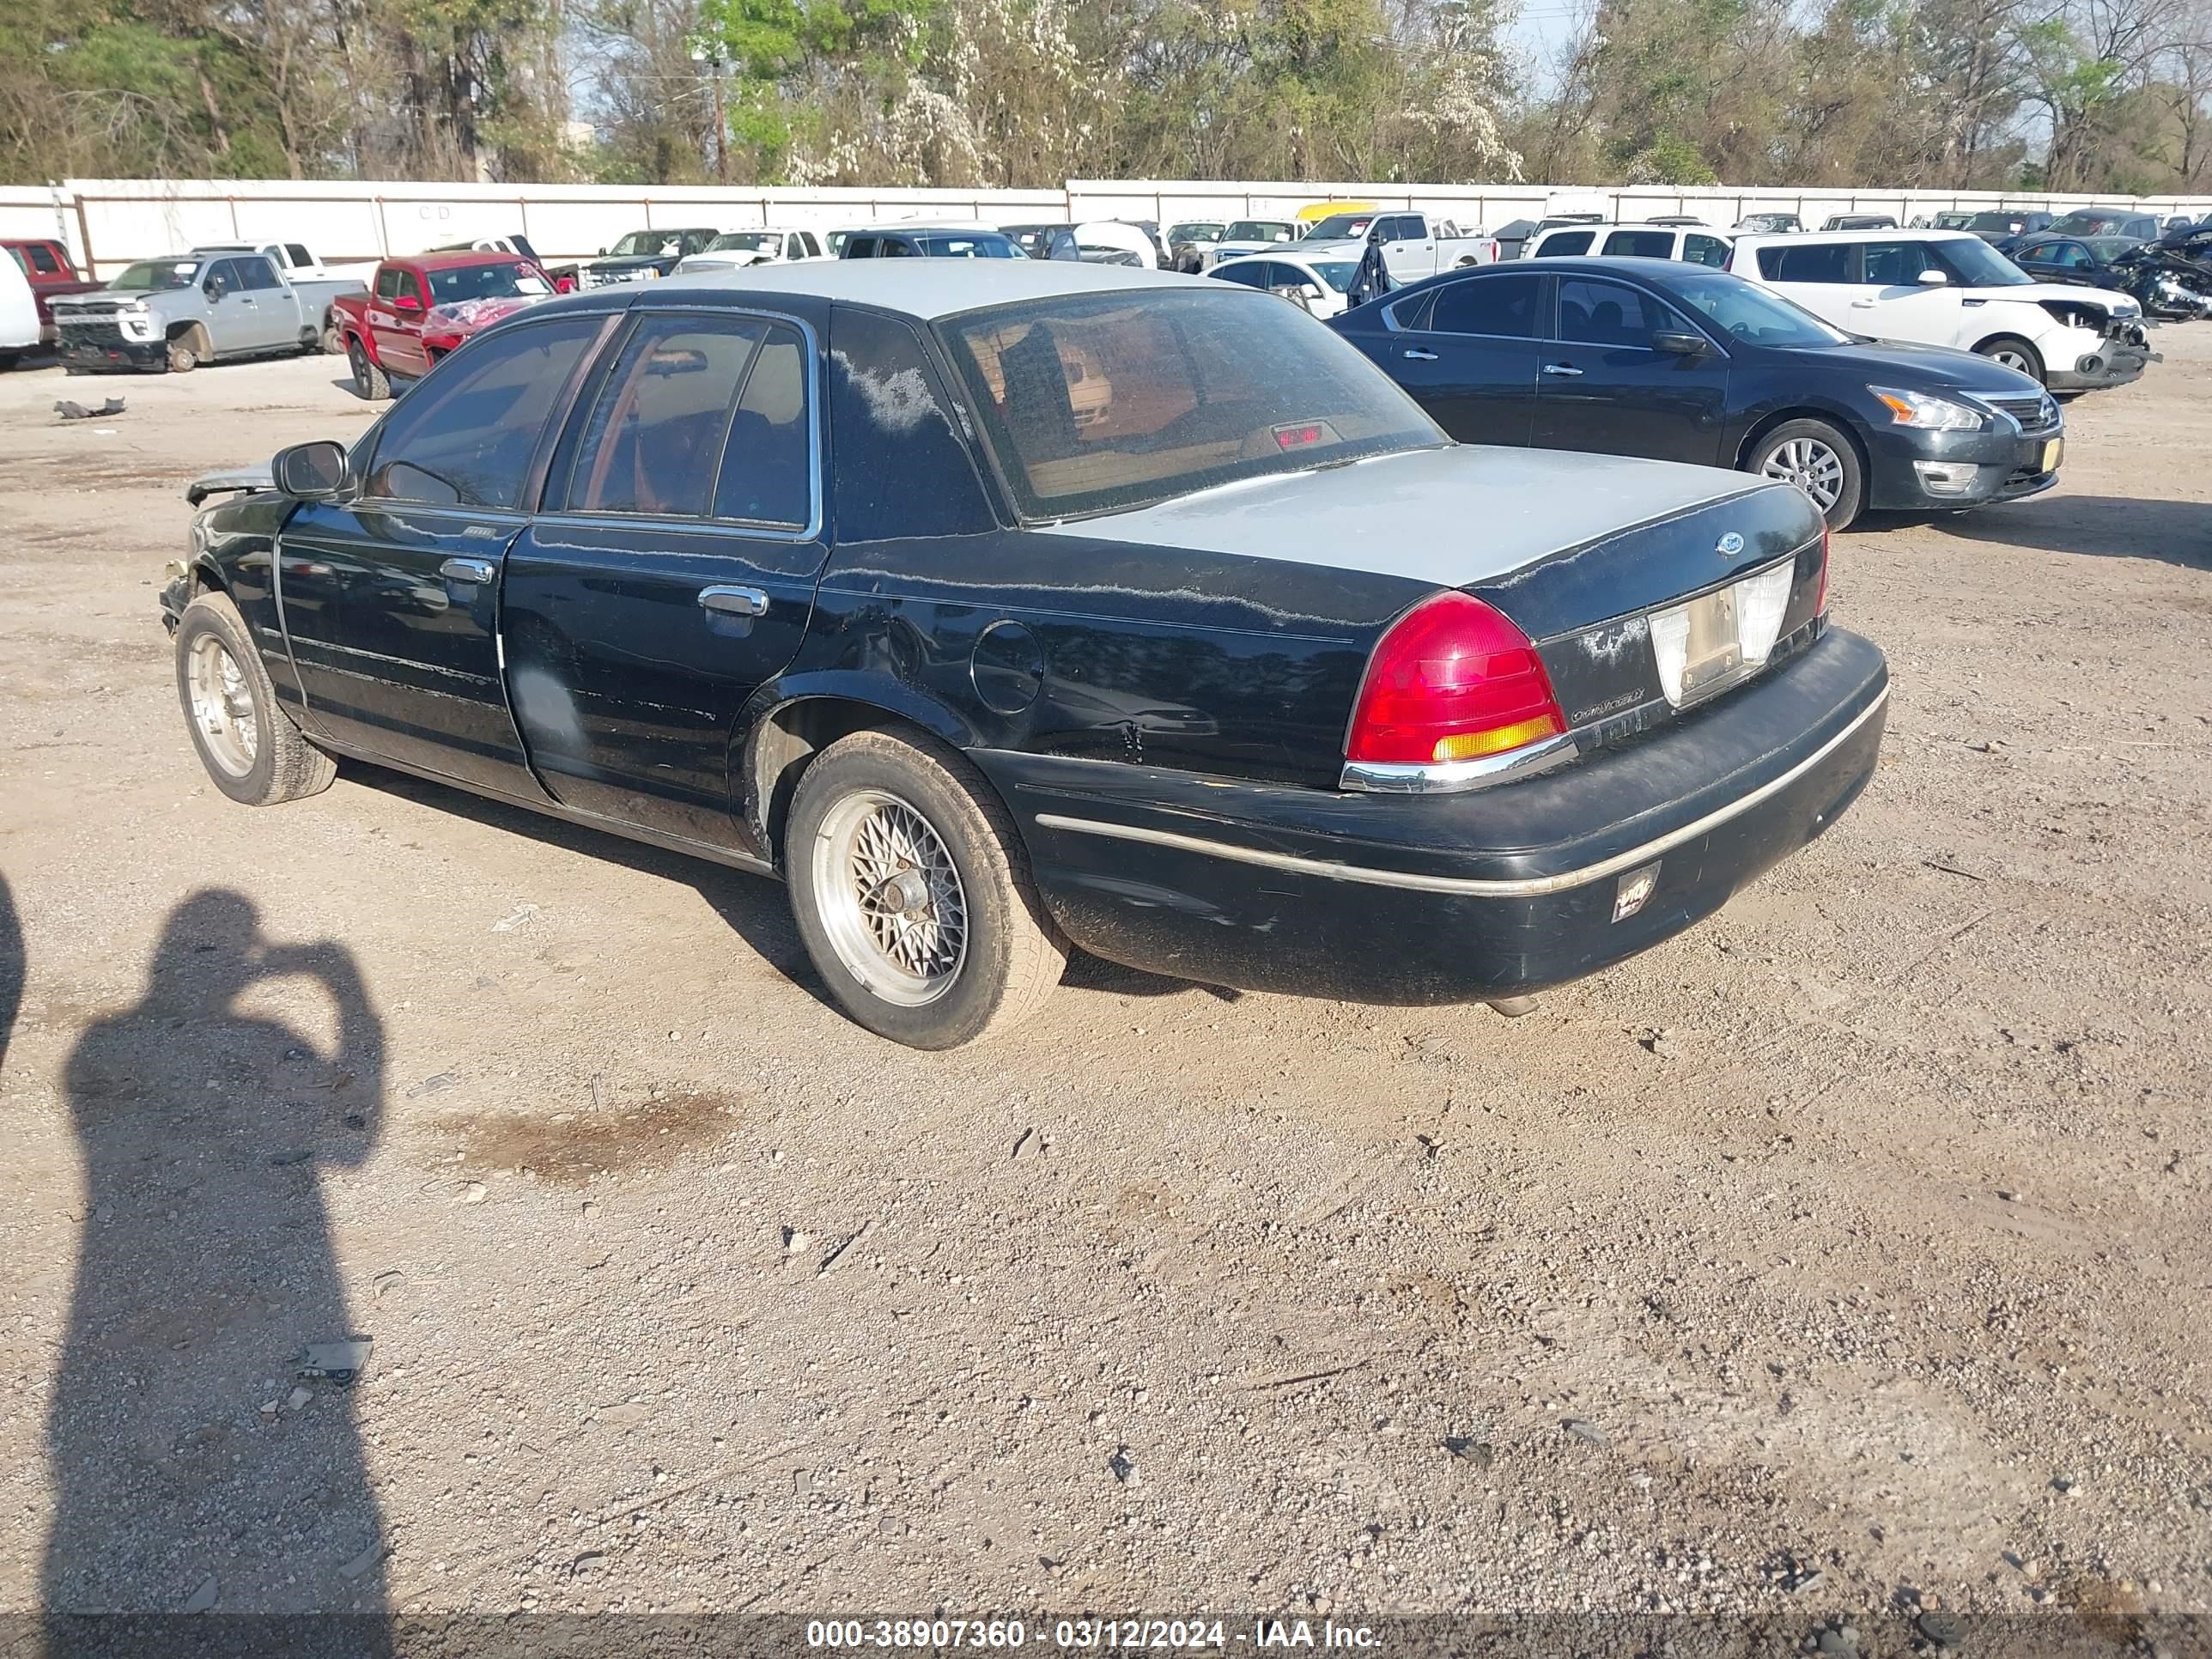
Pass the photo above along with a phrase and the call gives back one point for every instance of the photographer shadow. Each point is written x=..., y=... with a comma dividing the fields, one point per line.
x=193, y=1470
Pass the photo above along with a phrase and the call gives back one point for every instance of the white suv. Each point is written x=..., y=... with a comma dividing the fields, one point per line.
x=1699, y=244
x=1949, y=287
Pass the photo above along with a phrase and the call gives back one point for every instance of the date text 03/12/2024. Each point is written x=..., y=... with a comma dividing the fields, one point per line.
x=1163, y=1634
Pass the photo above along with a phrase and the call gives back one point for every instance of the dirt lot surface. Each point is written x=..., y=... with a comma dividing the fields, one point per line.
x=1849, y=1250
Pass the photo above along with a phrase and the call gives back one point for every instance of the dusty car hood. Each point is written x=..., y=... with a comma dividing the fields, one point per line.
x=2036, y=292
x=1453, y=516
x=231, y=480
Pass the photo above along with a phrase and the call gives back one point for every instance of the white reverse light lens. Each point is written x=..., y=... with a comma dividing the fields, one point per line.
x=1927, y=414
x=1670, y=644
x=1760, y=602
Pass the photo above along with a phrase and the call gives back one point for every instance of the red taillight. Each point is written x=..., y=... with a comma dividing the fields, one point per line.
x=1820, y=604
x=1451, y=680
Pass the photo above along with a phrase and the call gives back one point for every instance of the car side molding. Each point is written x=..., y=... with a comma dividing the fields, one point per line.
x=1526, y=887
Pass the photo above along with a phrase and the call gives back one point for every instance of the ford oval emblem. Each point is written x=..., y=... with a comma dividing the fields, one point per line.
x=1729, y=545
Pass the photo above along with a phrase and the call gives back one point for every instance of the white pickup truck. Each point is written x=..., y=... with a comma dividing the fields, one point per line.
x=1415, y=245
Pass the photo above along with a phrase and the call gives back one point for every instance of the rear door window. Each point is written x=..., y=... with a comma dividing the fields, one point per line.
x=1568, y=242
x=1505, y=307
x=658, y=428
x=1705, y=251
x=298, y=254
x=467, y=436
x=42, y=259
x=1641, y=244
x=387, y=282
x=1822, y=262
x=767, y=469
x=1249, y=273
x=1608, y=313
x=256, y=272
x=860, y=247
x=1892, y=264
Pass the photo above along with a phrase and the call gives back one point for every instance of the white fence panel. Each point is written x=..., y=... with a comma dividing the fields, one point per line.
x=108, y=223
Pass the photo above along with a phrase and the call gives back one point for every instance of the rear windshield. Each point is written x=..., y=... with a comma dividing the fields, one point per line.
x=2089, y=223
x=1098, y=403
x=148, y=274
x=963, y=246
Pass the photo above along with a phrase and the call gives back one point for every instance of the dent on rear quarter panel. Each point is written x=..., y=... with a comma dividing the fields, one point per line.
x=1202, y=661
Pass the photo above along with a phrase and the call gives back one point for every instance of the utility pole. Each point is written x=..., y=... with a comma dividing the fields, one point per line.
x=710, y=56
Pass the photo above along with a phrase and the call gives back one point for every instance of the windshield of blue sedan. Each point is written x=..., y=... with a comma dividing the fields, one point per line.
x=1102, y=402
x=1744, y=311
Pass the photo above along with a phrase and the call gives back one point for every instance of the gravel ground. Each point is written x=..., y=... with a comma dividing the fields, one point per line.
x=1848, y=1252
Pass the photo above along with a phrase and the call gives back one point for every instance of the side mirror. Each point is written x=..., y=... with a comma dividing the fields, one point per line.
x=1311, y=290
x=312, y=471
x=1681, y=343
x=1933, y=278
x=1294, y=292
x=405, y=302
x=215, y=287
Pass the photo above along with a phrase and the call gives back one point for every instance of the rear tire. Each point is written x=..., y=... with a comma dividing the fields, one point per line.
x=1820, y=460
x=248, y=744
x=369, y=379
x=912, y=892
x=334, y=344
x=2014, y=353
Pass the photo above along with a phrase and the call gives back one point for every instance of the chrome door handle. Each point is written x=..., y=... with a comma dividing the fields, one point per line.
x=1567, y=369
x=466, y=570
x=1419, y=355
x=733, y=601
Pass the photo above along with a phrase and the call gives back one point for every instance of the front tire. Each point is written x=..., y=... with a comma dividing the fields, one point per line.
x=2014, y=354
x=249, y=745
x=369, y=379
x=183, y=358
x=1820, y=460
x=912, y=892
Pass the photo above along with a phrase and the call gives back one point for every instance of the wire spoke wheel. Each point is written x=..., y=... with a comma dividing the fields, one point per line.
x=891, y=898
x=223, y=707
x=1810, y=465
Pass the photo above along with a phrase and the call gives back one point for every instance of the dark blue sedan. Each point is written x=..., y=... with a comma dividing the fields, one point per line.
x=1658, y=358
x=2085, y=259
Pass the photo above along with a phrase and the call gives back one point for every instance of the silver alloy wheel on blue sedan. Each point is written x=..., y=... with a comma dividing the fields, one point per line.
x=1820, y=460
x=1812, y=466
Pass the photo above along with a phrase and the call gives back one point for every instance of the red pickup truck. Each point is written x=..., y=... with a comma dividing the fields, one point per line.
x=418, y=309
x=51, y=273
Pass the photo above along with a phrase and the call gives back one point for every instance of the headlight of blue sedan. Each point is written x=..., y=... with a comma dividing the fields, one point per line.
x=1928, y=414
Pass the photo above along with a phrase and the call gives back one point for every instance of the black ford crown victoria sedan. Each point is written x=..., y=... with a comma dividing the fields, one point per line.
x=1669, y=359
x=997, y=605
